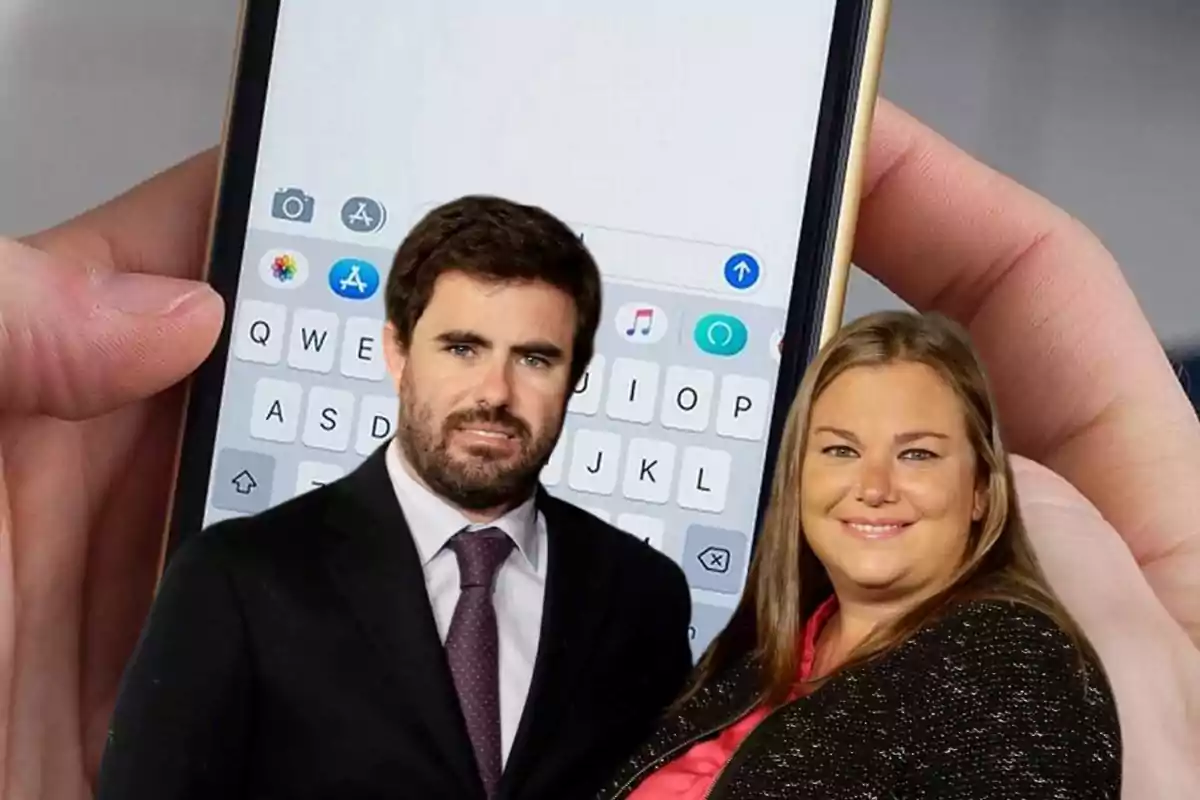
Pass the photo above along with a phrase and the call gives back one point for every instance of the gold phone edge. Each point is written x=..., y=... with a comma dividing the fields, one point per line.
x=847, y=219
x=243, y=15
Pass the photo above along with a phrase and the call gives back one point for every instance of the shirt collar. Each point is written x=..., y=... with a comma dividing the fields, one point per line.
x=433, y=520
x=812, y=629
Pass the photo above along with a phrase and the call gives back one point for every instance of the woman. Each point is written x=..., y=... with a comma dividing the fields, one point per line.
x=896, y=638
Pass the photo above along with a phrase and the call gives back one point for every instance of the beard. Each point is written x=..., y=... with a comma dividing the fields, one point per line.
x=482, y=480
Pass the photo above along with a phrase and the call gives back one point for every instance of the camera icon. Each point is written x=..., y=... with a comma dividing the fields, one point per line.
x=293, y=205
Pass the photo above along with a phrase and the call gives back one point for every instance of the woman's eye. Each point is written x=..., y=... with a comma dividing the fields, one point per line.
x=918, y=454
x=839, y=451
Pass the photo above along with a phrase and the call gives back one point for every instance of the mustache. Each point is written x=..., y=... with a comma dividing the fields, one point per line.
x=494, y=415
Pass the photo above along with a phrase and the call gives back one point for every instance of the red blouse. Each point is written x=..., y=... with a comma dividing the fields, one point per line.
x=691, y=775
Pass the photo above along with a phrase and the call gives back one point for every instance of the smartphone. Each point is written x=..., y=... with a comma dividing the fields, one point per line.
x=709, y=155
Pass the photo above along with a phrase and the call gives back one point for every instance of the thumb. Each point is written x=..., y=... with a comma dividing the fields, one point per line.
x=77, y=343
x=1153, y=668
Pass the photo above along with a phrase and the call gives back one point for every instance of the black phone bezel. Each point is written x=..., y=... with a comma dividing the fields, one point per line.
x=817, y=236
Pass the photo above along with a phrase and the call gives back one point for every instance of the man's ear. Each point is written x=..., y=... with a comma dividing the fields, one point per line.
x=394, y=354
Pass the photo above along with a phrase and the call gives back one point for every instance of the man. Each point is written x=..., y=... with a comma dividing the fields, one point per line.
x=433, y=625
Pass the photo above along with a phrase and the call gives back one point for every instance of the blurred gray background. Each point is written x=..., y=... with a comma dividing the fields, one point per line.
x=1094, y=103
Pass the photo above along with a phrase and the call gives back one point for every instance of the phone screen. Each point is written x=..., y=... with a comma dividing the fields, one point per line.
x=696, y=150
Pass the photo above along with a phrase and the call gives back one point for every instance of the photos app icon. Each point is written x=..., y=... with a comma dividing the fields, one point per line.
x=283, y=269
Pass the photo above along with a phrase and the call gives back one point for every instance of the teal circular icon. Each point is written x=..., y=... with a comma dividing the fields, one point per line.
x=720, y=334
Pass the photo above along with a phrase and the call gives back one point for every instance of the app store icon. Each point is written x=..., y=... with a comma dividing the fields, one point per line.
x=354, y=279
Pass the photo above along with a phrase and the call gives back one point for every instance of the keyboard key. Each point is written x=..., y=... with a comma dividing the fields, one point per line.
x=598, y=513
x=275, y=410
x=311, y=474
x=714, y=558
x=552, y=472
x=586, y=398
x=649, y=468
x=595, y=460
x=329, y=418
x=632, y=389
x=258, y=336
x=362, y=349
x=743, y=410
x=687, y=398
x=376, y=423
x=649, y=529
x=313, y=343
x=707, y=622
x=704, y=479
x=242, y=480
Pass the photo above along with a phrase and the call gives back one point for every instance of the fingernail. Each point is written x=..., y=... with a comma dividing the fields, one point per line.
x=137, y=293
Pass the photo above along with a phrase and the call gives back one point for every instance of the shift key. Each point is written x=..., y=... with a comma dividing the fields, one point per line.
x=243, y=480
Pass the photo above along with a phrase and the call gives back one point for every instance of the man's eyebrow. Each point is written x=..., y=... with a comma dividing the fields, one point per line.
x=463, y=337
x=540, y=347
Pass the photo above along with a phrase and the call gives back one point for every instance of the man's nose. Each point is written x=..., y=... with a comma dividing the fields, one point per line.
x=495, y=387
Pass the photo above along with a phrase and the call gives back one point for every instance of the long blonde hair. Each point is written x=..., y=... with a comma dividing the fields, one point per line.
x=787, y=582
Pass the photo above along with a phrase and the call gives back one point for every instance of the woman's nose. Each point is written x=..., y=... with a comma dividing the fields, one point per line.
x=875, y=484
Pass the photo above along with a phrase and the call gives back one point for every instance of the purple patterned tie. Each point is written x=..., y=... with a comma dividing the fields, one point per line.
x=471, y=645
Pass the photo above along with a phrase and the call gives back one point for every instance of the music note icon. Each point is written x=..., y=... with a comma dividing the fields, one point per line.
x=641, y=322
x=646, y=314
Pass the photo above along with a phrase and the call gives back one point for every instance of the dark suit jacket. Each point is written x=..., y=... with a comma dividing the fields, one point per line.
x=294, y=654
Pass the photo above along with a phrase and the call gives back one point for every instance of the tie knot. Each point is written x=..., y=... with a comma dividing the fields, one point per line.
x=480, y=554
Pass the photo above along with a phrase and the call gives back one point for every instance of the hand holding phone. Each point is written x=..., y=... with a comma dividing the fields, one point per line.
x=153, y=227
x=104, y=317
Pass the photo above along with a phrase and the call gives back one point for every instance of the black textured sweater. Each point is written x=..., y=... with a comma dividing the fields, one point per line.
x=988, y=703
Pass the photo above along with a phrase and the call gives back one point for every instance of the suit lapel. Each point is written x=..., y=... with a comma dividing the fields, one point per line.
x=572, y=613
x=376, y=566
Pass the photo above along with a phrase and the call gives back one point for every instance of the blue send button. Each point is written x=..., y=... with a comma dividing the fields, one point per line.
x=354, y=279
x=720, y=335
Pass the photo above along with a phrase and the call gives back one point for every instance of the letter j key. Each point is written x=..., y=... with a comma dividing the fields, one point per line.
x=595, y=461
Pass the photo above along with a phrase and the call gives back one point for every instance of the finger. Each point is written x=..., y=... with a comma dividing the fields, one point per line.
x=76, y=343
x=136, y=505
x=159, y=226
x=1153, y=669
x=1080, y=378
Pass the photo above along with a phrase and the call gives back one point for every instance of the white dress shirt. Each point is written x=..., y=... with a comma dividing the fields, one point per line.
x=520, y=581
